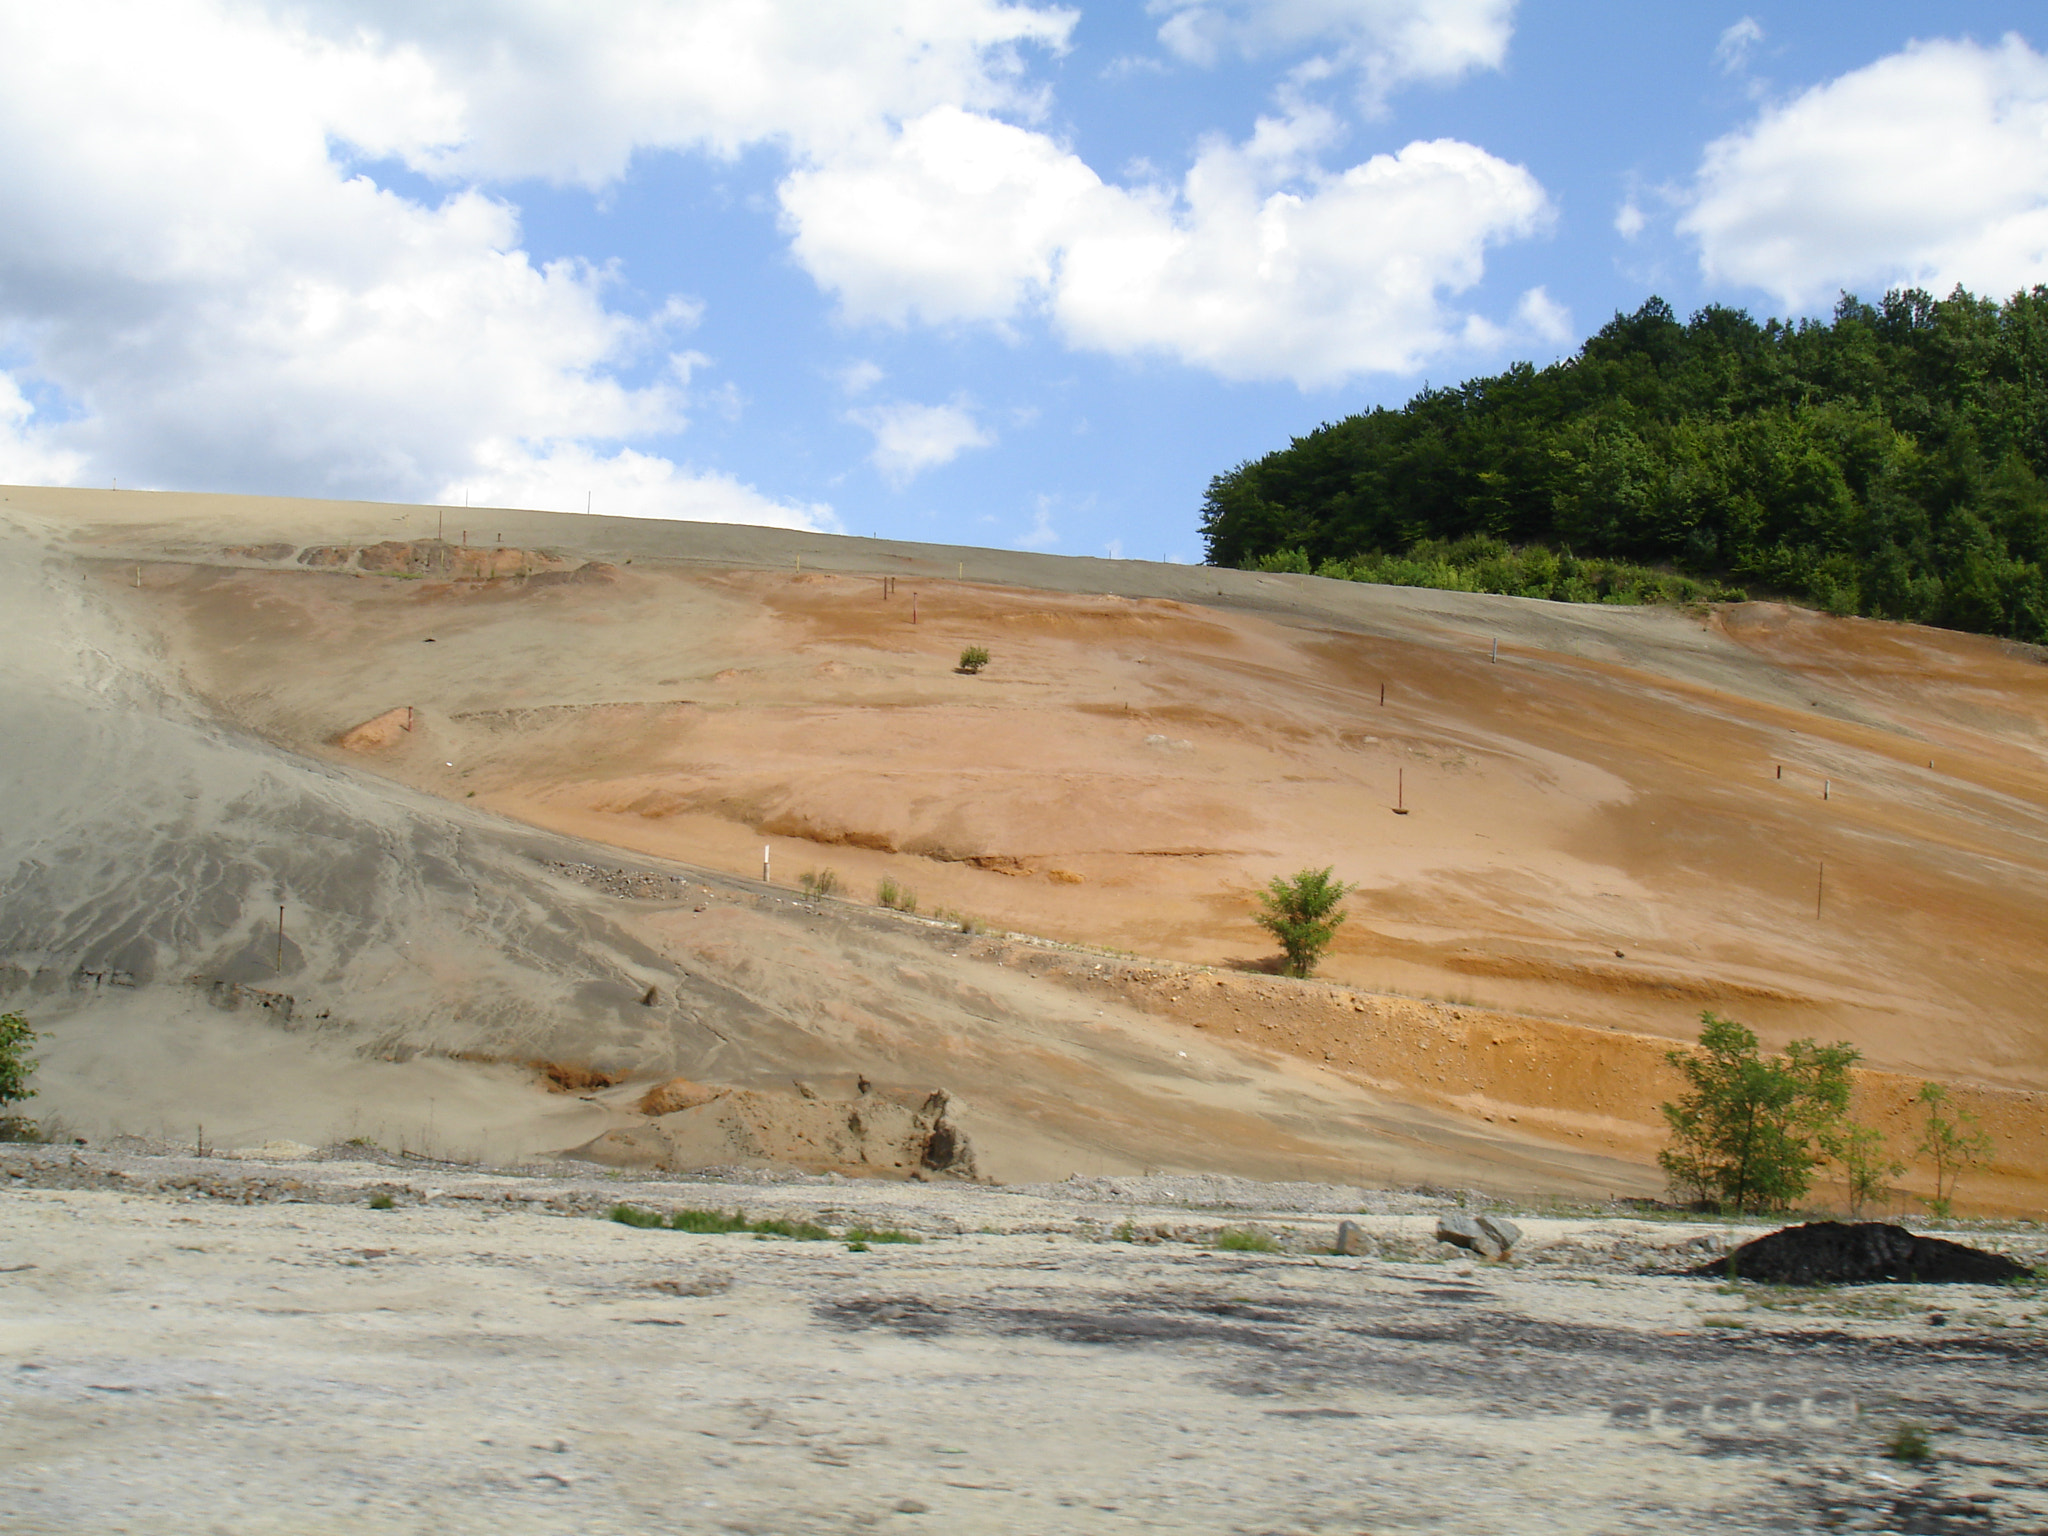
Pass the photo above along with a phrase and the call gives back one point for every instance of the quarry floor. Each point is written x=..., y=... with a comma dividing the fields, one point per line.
x=247, y=1347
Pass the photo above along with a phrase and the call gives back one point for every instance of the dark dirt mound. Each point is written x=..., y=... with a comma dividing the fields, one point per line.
x=1841, y=1253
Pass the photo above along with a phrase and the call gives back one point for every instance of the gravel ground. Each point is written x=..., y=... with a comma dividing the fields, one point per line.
x=247, y=1346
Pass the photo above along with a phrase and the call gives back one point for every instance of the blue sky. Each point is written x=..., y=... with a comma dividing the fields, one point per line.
x=963, y=270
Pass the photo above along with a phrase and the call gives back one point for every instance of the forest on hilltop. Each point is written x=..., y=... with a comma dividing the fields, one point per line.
x=1891, y=461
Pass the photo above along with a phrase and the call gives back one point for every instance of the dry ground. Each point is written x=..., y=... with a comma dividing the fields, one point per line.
x=248, y=1348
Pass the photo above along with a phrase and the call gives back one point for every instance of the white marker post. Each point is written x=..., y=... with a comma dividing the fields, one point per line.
x=764, y=865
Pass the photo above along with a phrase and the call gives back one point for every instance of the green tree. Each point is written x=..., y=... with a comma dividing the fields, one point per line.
x=1867, y=1165
x=1750, y=1131
x=15, y=1064
x=1302, y=914
x=1954, y=1143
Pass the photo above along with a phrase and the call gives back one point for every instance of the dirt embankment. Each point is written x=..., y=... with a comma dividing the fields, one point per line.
x=1827, y=829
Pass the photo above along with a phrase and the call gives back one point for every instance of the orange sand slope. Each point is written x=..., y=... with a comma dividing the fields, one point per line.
x=1823, y=827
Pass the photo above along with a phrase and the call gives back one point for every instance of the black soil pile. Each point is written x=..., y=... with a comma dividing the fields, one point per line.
x=1842, y=1253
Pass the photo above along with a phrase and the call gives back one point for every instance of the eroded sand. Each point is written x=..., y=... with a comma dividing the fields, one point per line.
x=1599, y=841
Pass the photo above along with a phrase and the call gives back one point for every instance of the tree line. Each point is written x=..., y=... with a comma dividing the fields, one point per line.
x=1891, y=461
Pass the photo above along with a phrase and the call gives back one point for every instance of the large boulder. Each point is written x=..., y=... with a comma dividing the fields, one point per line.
x=1491, y=1237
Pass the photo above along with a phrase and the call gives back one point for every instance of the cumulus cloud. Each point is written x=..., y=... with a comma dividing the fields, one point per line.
x=1259, y=265
x=1388, y=43
x=1928, y=167
x=198, y=261
x=569, y=477
x=26, y=454
x=910, y=438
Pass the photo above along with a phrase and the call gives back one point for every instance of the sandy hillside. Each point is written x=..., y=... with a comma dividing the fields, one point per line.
x=1822, y=827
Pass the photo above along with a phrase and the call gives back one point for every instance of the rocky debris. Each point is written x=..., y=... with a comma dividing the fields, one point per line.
x=1859, y=1253
x=677, y=1093
x=379, y=731
x=1491, y=1237
x=633, y=884
x=277, y=551
x=1351, y=1241
x=875, y=1133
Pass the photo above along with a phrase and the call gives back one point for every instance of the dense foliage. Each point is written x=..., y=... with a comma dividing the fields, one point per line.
x=1892, y=461
x=1749, y=1131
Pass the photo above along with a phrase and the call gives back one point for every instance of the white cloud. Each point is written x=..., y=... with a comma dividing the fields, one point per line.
x=192, y=262
x=1042, y=534
x=569, y=92
x=569, y=477
x=1541, y=316
x=1928, y=167
x=1737, y=43
x=910, y=439
x=1389, y=43
x=860, y=376
x=26, y=455
x=1629, y=221
x=1260, y=265
x=957, y=217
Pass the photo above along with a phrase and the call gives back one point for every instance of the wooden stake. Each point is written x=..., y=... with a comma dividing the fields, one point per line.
x=1400, y=791
x=1781, y=770
x=913, y=607
x=280, y=940
x=1820, y=881
x=1496, y=650
x=1383, y=695
x=764, y=864
x=1826, y=785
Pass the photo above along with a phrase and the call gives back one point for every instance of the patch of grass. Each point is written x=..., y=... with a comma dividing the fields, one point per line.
x=973, y=659
x=898, y=898
x=1908, y=1443
x=714, y=1222
x=633, y=1216
x=1245, y=1240
x=819, y=882
x=385, y=1203
x=868, y=1235
x=857, y=1246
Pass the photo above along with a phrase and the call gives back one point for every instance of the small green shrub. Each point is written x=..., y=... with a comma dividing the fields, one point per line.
x=1954, y=1143
x=819, y=882
x=633, y=1216
x=1245, y=1240
x=15, y=1066
x=1302, y=914
x=867, y=1235
x=857, y=1246
x=898, y=898
x=973, y=659
x=1908, y=1442
x=707, y=1221
x=385, y=1203
x=715, y=1222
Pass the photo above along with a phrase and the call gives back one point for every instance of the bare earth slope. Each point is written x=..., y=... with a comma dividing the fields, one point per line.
x=1826, y=828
